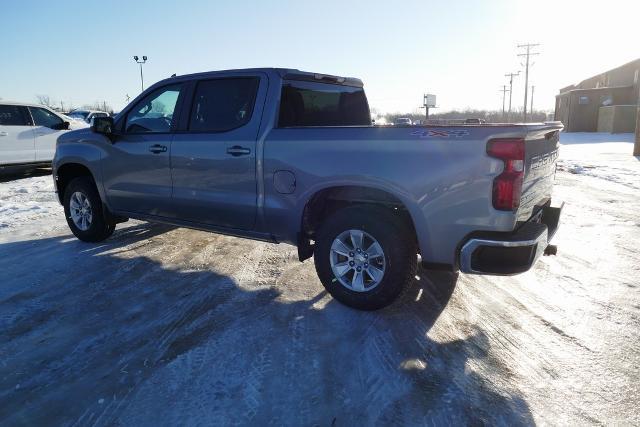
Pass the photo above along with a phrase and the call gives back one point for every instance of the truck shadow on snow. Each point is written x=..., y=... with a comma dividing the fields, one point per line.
x=102, y=334
x=10, y=173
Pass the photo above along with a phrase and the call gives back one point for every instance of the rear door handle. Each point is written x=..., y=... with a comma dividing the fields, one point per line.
x=237, y=150
x=4, y=134
x=157, y=148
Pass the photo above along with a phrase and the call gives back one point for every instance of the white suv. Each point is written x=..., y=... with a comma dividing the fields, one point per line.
x=28, y=134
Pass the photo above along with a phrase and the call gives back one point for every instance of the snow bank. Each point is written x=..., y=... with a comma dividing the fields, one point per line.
x=26, y=204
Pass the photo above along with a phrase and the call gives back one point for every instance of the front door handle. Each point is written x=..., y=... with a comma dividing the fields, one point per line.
x=237, y=150
x=157, y=148
x=4, y=133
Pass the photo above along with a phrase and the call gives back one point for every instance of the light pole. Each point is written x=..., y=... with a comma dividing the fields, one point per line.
x=144, y=59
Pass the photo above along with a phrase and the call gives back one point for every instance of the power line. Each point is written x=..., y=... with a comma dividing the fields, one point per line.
x=527, y=54
x=511, y=76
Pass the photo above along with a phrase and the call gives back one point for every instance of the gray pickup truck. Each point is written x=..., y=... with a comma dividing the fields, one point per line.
x=287, y=156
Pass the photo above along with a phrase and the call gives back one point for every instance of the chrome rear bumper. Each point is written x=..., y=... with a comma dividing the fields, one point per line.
x=510, y=253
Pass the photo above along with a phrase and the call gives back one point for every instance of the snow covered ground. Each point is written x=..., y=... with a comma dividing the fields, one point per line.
x=165, y=326
x=601, y=155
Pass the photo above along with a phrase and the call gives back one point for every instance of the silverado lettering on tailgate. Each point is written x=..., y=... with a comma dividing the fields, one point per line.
x=542, y=160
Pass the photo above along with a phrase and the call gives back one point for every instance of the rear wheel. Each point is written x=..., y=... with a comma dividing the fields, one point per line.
x=84, y=212
x=365, y=257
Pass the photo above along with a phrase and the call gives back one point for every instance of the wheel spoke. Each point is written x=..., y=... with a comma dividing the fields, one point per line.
x=356, y=238
x=342, y=269
x=340, y=247
x=375, y=273
x=374, y=251
x=358, y=281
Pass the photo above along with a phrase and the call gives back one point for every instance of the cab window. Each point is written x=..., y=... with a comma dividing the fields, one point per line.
x=42, y=117
x=322, y=104
x=223, y=104
x=155, y=112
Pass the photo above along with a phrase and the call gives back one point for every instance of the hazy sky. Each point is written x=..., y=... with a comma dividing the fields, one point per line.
x=81, y=52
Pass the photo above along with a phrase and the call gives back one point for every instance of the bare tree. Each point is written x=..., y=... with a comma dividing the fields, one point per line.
x=99, y=105
x=44, y=100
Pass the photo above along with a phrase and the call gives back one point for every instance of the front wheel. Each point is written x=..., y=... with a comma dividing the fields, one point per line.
x=365, y=256
x=83, y=209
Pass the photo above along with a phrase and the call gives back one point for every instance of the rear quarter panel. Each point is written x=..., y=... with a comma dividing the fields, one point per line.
x=443, y=178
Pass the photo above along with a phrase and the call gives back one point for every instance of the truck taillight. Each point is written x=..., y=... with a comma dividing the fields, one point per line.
x=507, y=187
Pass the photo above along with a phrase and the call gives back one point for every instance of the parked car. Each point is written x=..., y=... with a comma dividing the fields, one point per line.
x=28, y=134
x=287, y=156
x=402, y=121
x=74, y=123
x=473, y=121
x=87, y=115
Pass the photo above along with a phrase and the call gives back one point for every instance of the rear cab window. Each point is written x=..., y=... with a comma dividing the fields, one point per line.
x=224, y=104
x=307, y=103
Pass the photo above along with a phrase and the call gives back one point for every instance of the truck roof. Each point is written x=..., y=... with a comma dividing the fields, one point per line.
x=284, y=73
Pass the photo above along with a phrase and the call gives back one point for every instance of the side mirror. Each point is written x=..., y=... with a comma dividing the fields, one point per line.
x=103, y=125
x=60, y=126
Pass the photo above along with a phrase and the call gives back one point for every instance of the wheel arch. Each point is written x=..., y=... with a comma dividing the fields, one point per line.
x=322, y=202
x=67, y=172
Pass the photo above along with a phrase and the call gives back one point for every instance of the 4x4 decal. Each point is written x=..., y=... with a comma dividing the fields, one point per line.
x=440, y=133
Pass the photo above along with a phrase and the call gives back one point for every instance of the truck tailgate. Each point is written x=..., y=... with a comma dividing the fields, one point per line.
x=541, y=154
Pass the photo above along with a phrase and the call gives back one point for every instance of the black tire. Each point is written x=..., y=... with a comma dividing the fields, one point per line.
x=100, y=228
x=398, y=244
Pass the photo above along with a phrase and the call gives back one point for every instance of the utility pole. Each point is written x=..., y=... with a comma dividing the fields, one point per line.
x=504, y=91
x=527, y=54
x=511, y=76
x=144, y=59
x=531, y=109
